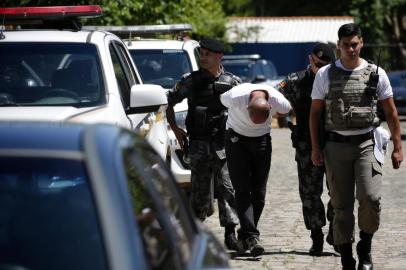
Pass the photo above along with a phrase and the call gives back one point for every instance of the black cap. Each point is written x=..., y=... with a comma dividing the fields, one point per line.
x=324, y=52
x=212, y=44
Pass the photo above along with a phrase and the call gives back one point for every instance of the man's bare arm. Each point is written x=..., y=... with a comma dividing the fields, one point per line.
x=314, y=122
x=180, y=134
x=392, y=119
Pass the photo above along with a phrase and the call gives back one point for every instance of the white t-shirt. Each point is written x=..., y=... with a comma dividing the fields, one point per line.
x=236, y=100
x=321, y=88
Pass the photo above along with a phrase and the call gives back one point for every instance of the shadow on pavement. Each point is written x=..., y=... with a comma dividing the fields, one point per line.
x=248, y=257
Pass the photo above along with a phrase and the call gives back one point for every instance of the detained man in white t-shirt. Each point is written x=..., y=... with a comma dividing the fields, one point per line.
x=248, y=150
x=348, y=91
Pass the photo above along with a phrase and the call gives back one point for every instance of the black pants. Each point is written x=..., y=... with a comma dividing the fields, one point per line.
x=249, y=162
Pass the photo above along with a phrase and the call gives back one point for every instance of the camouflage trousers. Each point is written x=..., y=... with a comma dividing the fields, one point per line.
x=311, y=188
x=208, y=163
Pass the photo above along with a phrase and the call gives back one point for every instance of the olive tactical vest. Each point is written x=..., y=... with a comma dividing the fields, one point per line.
x=348, y=105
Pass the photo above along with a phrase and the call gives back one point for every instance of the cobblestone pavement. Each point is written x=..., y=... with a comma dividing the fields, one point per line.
x=284, y=235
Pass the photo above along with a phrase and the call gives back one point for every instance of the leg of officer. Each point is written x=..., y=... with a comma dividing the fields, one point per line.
x=310, y=190
x=201, y=165
x=369, y=183
x=226, y=202
x=339, y=160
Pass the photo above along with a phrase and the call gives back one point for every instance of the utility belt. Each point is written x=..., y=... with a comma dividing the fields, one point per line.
x=231, y=132
x=208, y=138
x=299, y=138
x=356, y=139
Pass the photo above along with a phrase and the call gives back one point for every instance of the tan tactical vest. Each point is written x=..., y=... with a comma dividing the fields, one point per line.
x=348, y=105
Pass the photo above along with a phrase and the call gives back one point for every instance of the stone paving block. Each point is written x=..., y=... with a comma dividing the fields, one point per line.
x=283, y=232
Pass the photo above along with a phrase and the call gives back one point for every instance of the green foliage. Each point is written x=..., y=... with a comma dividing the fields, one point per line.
x=382, y=21
x=383, y=30
x=285, y=8
x=206, y=16
x=239, y=7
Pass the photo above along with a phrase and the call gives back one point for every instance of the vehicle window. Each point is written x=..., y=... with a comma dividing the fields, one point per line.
x=269, y=69
x=127, y=66
x=256, y=70
x=242, y=69
x=196, y=52
x=42, y=74
x=122, y=73
x=163, y=67
x=166, y=206
x=47, y=216
x=397, y=79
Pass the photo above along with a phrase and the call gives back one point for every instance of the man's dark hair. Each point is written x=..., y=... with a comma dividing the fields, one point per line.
x=348, y=30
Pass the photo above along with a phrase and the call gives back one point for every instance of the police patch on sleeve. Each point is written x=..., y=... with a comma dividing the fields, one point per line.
x=282, y=84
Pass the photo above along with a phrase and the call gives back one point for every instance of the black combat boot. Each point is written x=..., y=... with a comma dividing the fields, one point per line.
x=330, y=237
x=318, y=240
x=347, y=261
x=230, y=240
x=364, y=251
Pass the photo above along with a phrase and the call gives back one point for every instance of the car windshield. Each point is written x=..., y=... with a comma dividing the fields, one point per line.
x=248, y=70
x=163, y=67
x=50, y=74
x=47, y=216
x=242, y=69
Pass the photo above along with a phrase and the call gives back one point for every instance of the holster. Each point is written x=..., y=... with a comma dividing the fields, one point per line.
x=293, y=135
x=200, y=124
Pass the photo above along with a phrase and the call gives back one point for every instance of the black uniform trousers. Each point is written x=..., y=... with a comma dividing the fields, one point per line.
x=249, y=162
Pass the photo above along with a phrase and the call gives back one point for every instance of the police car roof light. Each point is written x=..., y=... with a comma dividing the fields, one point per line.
x=142, y=29
x=51, y=12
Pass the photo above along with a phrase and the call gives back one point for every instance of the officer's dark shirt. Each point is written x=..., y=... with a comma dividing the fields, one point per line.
x=199, y=88
x=297, y=88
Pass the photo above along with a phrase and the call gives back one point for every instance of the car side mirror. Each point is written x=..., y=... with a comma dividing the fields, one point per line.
x=146, y=98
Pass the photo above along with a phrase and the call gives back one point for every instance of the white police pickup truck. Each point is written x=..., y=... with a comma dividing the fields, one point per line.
x=163, y=62
x=53, y=70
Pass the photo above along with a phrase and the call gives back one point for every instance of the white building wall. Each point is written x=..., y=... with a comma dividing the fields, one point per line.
x=285, y=29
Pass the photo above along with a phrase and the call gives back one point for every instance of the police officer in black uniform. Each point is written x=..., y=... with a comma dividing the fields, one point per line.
x=205, y=124
x=297, y=88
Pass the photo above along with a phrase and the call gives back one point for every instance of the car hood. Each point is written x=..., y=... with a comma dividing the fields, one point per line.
x=43, y=113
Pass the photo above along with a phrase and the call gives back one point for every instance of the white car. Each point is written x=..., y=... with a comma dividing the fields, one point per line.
x=164, y=62
x=60, y=72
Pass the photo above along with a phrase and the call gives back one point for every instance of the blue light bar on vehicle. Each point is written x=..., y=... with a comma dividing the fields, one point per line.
x=51, y=12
